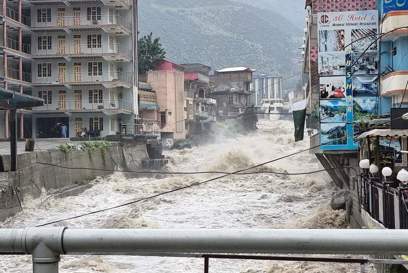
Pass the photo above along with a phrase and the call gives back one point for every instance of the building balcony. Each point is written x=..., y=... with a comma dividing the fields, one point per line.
x=13, y=17
x=395, y=23
x=68, y=52
x=119, y=4
x=114, y=25
x=394, y=83
x=107, y=107
x=14, y=75
x=113, y=80
x=208, y=101
x=147, y=127
x=13, y=47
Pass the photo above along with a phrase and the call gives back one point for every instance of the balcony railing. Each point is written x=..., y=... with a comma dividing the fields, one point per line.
x=83, y=105
x=394, y=24
x=110, y=80
x=385, y=202
x=14, y=44
x=109, y=52
x=147, y=127
x=14, y=14
x=15, y=74
x=79, y=22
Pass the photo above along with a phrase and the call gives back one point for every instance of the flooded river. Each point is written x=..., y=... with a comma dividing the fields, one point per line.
x=255, y=201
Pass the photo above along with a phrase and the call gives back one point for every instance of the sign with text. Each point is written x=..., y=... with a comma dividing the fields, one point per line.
x=391, y=5
x=348, y=70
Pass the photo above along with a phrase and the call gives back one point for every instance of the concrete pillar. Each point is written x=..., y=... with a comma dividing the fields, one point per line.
x=6, y=122
x=21, y=125
x=20, y=11
x=397, y=211
x=380, y=205
x=5, y=66
x=21, y=118
x=20, y=39
x=34, y=127
x=20, y=69
x=4, y=7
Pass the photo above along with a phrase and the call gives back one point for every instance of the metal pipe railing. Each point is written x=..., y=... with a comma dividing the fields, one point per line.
x=47, y=244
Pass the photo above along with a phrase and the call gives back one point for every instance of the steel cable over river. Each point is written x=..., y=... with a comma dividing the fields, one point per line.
x=253, y=201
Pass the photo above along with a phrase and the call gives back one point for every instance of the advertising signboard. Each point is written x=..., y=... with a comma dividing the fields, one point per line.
x=348, y=70
x=391, y=5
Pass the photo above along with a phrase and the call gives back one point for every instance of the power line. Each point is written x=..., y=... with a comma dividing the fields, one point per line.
x=190, y=173
x=175, y=190
x=241, y=172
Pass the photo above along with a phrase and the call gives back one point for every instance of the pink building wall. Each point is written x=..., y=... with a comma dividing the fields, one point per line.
x=169, y=87
x=168, y=65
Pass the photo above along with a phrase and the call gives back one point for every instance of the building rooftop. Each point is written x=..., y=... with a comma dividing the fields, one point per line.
x=235, y=69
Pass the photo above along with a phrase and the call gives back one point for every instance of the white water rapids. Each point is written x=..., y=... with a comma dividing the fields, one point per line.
x=256, y=201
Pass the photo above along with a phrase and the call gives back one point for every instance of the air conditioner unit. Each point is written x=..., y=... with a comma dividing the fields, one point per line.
x=95, y=22
x=100, y=107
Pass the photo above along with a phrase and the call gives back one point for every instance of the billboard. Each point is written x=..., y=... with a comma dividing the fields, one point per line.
x=348, y=71
x=391, y=5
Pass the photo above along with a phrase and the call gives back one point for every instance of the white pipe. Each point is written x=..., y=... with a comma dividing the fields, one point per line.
x=254, y=241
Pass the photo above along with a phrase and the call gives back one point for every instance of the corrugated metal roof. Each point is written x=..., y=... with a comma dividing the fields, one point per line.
x=384, y=133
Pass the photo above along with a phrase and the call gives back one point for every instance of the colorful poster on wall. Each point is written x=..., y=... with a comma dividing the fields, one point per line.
x=348, y=70
x=391, y=5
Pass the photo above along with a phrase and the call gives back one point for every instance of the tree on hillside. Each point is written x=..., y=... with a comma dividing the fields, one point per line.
x=151, y=53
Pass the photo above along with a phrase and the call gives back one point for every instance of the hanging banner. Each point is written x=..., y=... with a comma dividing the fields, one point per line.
x=348, y=70
x=391, y=5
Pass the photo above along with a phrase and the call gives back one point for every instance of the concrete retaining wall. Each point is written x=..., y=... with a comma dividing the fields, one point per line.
x=32, y=177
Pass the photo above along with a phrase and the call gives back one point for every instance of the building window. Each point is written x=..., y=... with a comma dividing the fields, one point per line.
x=46, y=96
x=95, y=96
x=94, y=14
x=95, y=69
x=44, y=42
x=163, y=119
x=44, y=15
x=44, y=70
x=96, y=124
x=95, y=41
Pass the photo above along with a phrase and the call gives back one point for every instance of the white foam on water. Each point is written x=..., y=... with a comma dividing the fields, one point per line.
x=256, y=201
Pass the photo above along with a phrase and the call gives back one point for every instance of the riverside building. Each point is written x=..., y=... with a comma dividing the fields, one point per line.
x=79, y=57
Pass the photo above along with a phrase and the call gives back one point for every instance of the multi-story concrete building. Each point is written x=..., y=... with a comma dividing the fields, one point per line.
x=231, y=89
x=267, y=93
x=168, y=82
x=200, y=108
x=394, y=44
x=15, y=60
x=79, y=56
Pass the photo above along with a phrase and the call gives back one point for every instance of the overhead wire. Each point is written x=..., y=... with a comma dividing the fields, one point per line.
x=143, y=199
x=187, y=173
x=224, y=175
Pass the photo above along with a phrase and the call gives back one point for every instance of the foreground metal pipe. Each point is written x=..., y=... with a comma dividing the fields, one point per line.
x=116, y=242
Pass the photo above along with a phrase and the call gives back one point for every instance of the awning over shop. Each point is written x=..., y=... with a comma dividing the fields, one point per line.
x=384, y=133
x=10, y=100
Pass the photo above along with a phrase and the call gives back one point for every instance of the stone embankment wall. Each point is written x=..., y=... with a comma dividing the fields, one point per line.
x=34, y=175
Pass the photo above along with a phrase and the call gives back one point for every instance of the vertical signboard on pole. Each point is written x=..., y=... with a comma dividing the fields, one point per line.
x=348, y=70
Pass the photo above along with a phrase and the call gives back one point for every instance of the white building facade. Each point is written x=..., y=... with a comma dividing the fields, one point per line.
x=83, y=67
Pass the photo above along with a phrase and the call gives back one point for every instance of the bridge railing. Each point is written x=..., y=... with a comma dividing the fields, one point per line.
x=46, y=245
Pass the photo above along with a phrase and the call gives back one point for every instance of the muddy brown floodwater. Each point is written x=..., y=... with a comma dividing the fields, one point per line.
x=255, y=201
